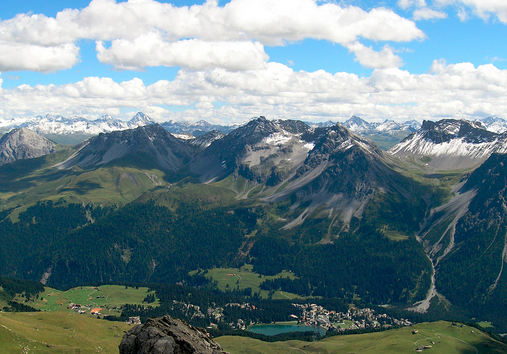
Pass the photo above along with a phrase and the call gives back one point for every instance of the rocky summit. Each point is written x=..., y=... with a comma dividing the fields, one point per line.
x=167, y=335
x=22, y=144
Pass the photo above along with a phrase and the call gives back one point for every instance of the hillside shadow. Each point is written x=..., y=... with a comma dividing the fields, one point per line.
x=83, y=187
x=20, y=175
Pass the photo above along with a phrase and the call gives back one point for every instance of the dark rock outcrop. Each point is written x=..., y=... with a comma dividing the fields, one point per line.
x=167, y=335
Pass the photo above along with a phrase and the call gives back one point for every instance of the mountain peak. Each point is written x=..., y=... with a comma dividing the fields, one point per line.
x=451, y=144
x=149, y=145
x=141, y=119
x=23, y=143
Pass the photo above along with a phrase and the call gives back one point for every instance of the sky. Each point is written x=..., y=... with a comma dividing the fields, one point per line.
x=230, y=61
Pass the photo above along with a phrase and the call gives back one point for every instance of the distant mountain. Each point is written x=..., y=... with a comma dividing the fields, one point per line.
x=385, y=134
x=390, y=127
x=451, y=144
x=359, y=125
x=22, y=144
x=149, y=145
x=139, y=120
x=494, y=124
x=197, y=129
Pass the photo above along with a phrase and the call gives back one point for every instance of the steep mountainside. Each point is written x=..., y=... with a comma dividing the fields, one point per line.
x=342, y=172
x=466, y=239
x=23, y=144
x=149, y=145
x=256, y=151
x=203, y=141
x=451, y=144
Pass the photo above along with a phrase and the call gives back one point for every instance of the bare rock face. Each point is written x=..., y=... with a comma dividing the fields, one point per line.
x=23, y=144
x=167, y=335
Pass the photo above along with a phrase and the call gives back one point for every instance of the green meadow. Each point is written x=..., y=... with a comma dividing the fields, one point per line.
x=443, y=338
x=243, y=278
x=58, y=332
x=107, y=297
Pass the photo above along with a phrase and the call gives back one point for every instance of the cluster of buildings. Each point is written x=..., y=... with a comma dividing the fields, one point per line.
x=315, y=315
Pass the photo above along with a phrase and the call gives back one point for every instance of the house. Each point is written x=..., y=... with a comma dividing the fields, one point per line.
x=134, y=320
x=96, y=311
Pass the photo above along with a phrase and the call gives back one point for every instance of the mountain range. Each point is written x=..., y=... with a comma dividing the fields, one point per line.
x=419, y=227
x=75, y=129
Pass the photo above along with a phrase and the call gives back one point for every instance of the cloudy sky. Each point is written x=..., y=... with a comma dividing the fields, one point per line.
x=228, y=61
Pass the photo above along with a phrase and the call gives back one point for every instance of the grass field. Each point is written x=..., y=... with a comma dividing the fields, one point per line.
x=106, y=297
x=244, y=277
x=63, y=332
x=446, y=338
x=58, y=332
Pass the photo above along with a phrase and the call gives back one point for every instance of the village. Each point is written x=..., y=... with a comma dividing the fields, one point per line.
x=353, y=319
x=317, y=316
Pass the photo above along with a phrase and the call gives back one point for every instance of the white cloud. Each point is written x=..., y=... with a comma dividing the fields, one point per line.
x=369, y=58
x=152, y=50
x=456, y=90
x=21, y=56
x=428, y=14
x=184, y=32
x=462, y=14
x=405, y=4
x=482, y=8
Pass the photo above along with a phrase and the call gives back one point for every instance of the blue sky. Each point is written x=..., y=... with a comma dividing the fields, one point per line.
x=230, y=61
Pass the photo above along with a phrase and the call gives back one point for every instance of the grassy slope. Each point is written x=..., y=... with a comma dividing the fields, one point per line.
x=230, y=278
x=58, y=332
x=61, y=332
x=27, y=181
x=447, y=339
x=113, y=296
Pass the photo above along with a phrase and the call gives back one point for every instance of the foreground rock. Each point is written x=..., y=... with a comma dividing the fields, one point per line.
x=167, y=335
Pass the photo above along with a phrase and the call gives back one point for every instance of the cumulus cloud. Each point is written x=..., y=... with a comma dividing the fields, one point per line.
x=454, y=90
x=22, y=56
x=152, y=50
x=369, y=58
x=428, y=14
x=231, y=36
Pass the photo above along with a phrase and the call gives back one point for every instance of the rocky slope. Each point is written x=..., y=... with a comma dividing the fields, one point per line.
x=166, y=335
x=23, y=144
x=451, y=144
x=203, y=141
x=149, y=145
x=255, y=151
x=342, y=172
x=327, y=168
x=466, y=239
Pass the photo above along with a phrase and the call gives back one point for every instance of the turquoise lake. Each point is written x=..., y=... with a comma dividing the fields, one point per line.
x=274, y=329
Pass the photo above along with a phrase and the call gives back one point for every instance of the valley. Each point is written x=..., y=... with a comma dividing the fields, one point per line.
x=272, y=211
